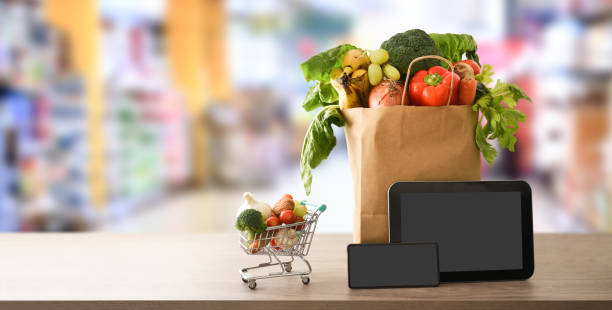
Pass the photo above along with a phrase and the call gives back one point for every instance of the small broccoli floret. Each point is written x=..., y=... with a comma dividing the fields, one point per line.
x=252, y=221
x=406, y=46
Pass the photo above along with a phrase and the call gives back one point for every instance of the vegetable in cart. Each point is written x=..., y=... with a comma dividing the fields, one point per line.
x=251, y=221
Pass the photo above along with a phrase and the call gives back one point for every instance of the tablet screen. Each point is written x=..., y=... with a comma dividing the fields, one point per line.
x=474, y=230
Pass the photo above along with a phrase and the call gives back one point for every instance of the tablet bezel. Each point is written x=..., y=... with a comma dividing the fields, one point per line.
x=396, y=189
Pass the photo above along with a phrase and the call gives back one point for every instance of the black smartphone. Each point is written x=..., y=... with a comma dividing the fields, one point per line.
x=387, y=265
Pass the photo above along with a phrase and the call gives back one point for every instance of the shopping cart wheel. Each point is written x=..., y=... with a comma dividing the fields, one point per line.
x=243, y=280
x=305, y=280
x=252, y=285
x=288, y=267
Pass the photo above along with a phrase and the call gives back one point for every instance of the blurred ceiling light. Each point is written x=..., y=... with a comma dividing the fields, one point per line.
x=154, y=9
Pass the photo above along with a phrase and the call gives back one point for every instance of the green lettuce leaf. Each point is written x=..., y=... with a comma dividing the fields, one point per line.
x=318, y=67
x=502, y=119
x=319, y=95
x=312, y=100
x=319, y=142
x=453, y=46
x=327, y=93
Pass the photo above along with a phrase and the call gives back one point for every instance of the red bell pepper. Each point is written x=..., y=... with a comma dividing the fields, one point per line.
x=432, y=87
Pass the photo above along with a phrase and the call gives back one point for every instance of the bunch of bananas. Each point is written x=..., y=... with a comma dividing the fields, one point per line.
x=351, y=81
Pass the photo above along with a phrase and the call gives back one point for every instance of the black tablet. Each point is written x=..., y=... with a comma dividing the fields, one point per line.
x=483, y=229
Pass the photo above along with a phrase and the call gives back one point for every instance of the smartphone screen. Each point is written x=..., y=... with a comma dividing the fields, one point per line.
x=393, y=265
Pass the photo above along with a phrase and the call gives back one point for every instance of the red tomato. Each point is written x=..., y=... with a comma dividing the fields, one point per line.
x=273, y=221
x=288, y=196
x=287, y=217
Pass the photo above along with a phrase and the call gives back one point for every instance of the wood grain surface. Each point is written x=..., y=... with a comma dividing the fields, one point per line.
x=200, y=271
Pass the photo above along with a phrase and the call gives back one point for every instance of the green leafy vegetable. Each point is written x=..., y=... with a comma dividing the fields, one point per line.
x=312, y=100
x=327, y=93
x=502, y=119
x=319, y=142
x=486, y=74
x=453, y=46
x=317, y=69
x=252, y=221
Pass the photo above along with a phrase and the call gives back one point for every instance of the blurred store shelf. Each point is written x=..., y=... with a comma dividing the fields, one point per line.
x=127, y=119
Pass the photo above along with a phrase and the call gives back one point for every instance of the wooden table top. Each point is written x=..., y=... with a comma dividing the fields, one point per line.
x=197, y=271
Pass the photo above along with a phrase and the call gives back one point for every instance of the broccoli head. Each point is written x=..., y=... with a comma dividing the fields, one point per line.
x=252, y=221
x=406, y=46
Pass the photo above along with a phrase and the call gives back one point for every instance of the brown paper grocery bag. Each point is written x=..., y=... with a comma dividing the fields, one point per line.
x=405, y=143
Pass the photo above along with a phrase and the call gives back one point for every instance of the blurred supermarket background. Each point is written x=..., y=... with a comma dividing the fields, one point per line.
x=155, y=115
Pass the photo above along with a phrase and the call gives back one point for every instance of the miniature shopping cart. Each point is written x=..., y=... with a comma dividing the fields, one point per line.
x=282, y=241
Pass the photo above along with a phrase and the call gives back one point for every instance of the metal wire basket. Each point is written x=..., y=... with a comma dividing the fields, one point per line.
x=291, y=240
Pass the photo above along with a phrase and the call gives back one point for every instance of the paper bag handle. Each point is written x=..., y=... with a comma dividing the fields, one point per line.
x=406, y=85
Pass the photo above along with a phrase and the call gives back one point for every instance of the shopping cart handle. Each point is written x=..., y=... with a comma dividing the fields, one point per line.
x=321, y=208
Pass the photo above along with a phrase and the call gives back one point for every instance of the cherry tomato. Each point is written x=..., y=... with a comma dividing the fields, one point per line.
x=287, y=217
